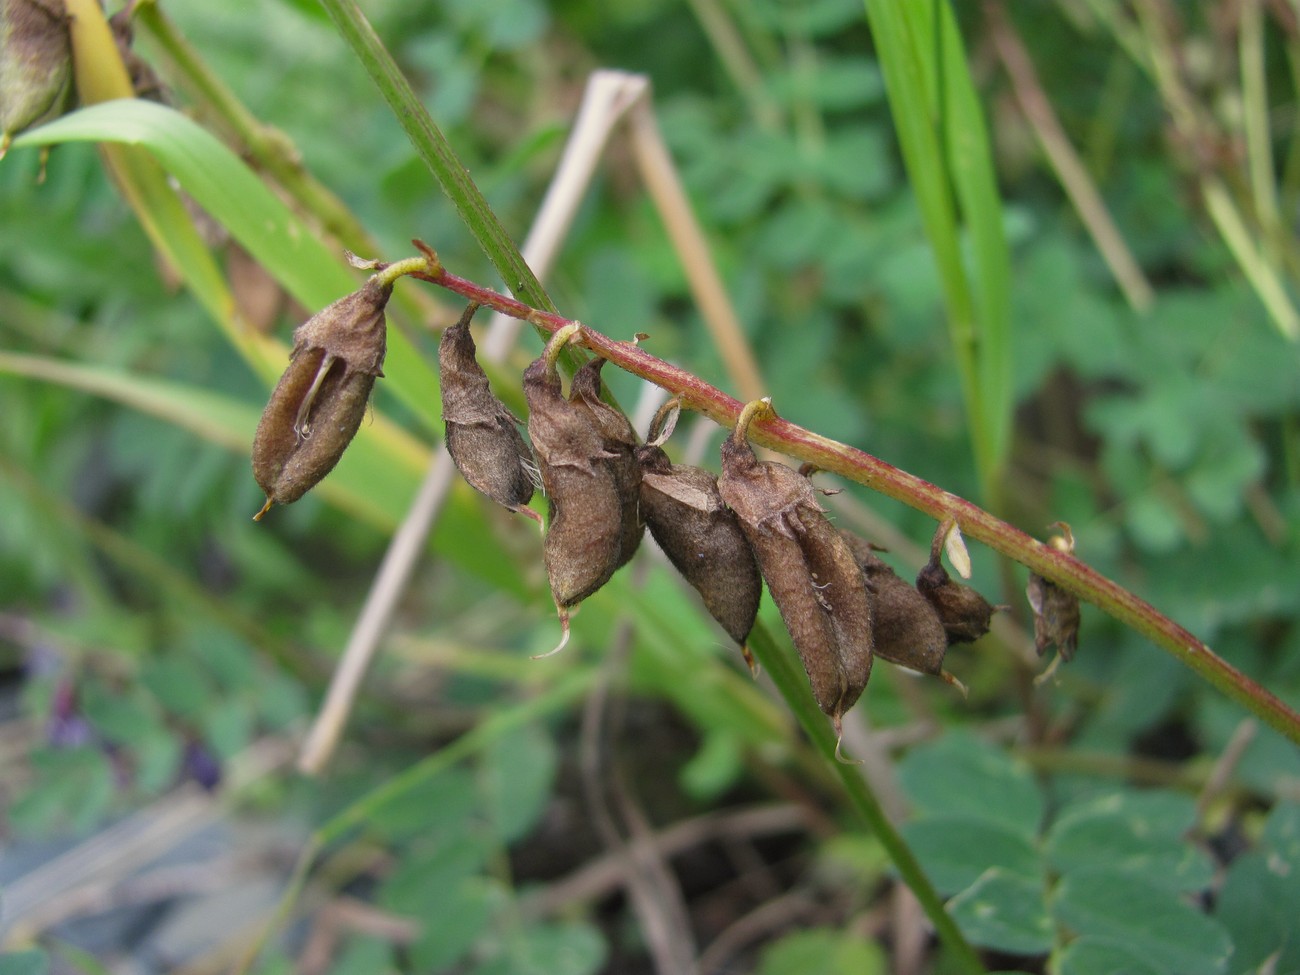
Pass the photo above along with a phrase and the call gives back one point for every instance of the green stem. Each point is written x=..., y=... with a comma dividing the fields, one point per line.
x=793, y=685
x=433, y=148
x=856, y=465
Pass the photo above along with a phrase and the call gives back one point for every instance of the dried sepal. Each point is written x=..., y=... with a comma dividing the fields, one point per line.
x=483, y=438
x=320, y=400
x=965, y=614
x=584, y=531
x=1056, y=610
x=700, y=535
x=954, y=546
x=35, y=65
x=906, y=630
x=810, y=572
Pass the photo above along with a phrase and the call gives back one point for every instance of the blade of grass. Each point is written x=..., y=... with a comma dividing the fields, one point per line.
x=1255, y=121
x=269, y=147
x=233, y=195
x=230, y=423
x=945, y=149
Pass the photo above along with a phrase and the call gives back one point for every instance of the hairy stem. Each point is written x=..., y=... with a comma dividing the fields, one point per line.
x=856, y=465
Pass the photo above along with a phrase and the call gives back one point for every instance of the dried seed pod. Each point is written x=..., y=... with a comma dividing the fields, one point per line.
x=318, y=404
x=620, y=442
x=584, y=533
x=701, y=537
x=1056, y=610
x=35, y=65
x=482, y=436
x=810, y=572
x=965, y=614
x=906, y=630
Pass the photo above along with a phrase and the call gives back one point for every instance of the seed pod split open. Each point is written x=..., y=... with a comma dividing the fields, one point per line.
x=906, y=629
x=1056, y=610
x=35, y=65
x=810, y=572
x=319, y=402
x=483, y=438
x=965, y=614
x=584, y=531
x=702, y=538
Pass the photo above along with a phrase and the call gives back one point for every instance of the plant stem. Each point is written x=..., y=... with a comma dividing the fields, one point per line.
x=793, y=685
x=436, y=153
x=856, y=465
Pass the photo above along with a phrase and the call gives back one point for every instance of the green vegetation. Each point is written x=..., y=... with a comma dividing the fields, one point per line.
x=1038, y=255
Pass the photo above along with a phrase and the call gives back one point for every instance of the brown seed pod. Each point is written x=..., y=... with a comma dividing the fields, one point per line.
x=810, y=572
x=318, y=404
x=701, y=537
x=35, y=65
x=965, y=614
x=1056, y=610
x=482, y=436
x=620, y=442
x=906, y=629
x=584, y=532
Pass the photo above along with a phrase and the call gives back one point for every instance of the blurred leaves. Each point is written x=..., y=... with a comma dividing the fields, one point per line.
x=168, y=634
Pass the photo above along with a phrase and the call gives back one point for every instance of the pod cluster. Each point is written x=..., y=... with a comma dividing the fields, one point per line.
x=756, y=522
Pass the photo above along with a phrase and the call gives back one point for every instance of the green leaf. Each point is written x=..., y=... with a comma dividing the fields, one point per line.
x=1141, y=833
x=438, y=809
x=228, y=726
x=1258, y=900
x=179, y=683
x=955, y=850
x=72, y=790
x=1153, y=920
x=364, y=956
x=516, y=775
x=1090, y=955
x=960, y=775
x=1006, y=912
x=550, y=949
x=715, y=767
x=461, y=918
x=823, y=950
x=34, y=962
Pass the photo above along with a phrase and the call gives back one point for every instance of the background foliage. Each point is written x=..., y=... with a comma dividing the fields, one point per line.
x=153, y=636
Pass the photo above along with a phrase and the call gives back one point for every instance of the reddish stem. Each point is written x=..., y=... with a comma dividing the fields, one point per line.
x=829, y=455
